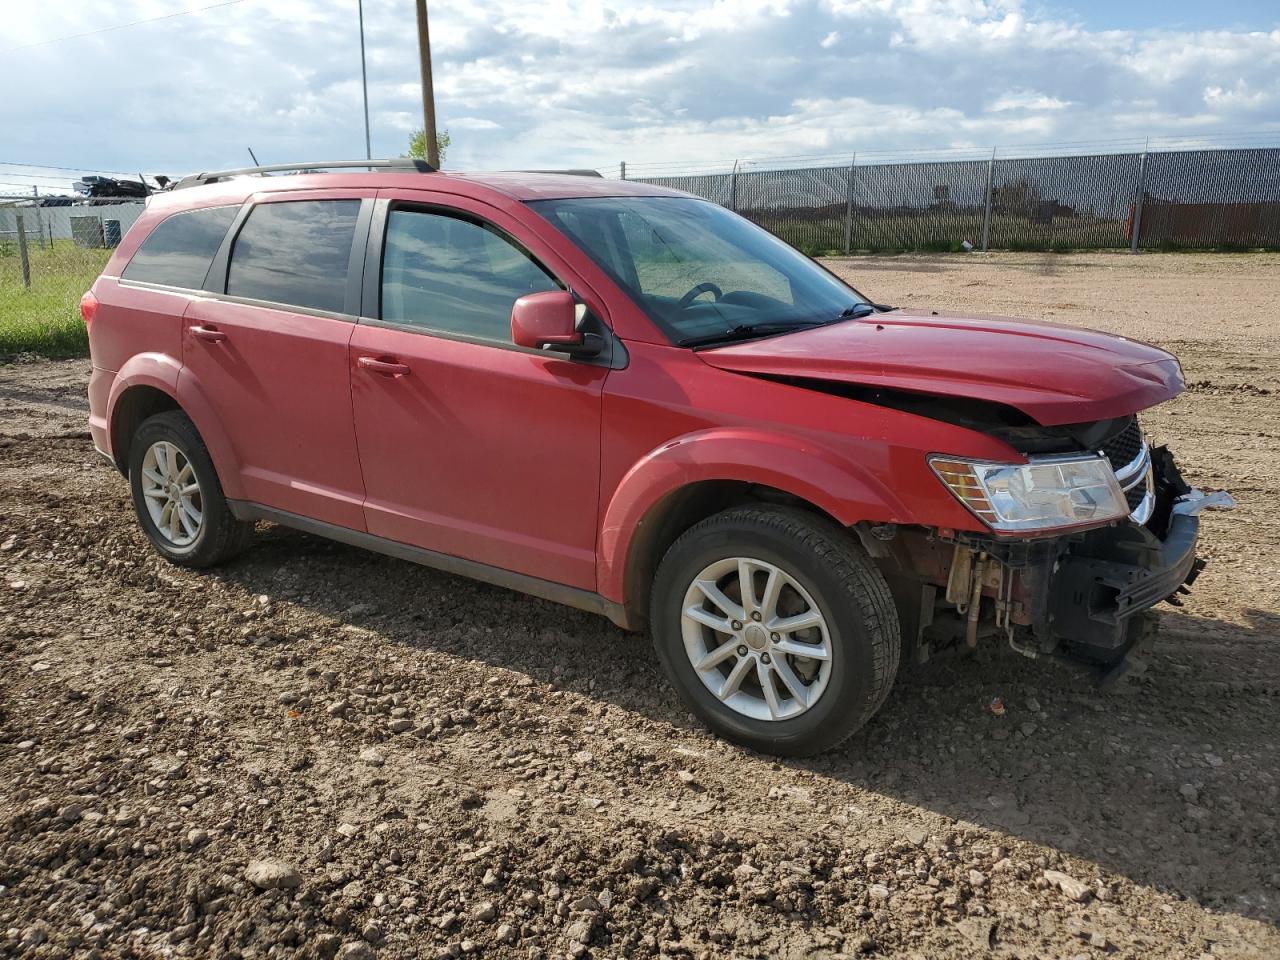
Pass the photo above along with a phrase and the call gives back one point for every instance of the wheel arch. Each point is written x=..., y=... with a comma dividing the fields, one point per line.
x=134, y=405
x=151, y=384
x=687, y=480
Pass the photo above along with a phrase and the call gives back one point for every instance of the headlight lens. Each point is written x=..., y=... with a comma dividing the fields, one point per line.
x=1046, y=493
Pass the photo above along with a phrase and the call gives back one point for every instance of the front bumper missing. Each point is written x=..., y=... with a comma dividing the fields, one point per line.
x=1091, y=596
x=1081, y=596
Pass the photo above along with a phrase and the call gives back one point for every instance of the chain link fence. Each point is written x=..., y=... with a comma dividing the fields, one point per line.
x=1170, y=200
x=51, y=250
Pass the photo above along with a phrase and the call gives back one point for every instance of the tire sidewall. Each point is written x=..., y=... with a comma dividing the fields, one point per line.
x=850, y=693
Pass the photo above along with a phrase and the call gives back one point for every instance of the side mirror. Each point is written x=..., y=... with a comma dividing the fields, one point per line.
x=550, y=320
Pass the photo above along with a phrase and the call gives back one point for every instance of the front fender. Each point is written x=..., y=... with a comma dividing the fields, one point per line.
x=788, y=463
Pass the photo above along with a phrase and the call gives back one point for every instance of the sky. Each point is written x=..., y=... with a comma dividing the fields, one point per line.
x=568, y=84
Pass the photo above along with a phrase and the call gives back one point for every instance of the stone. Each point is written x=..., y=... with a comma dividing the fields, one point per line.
x=71, y=813
x=1189, y=793
x=355, y=950
x=272, y=875
x=1071, y=888
x=485, y=911
x=372, y=756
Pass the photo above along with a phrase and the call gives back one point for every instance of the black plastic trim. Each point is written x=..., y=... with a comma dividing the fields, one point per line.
x=522, y=583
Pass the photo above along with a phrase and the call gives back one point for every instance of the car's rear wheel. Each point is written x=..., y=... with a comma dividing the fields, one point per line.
x=177, y=496
x=776, y=628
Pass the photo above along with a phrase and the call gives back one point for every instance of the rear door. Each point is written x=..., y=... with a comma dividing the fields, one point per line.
x=268, y=349
x=470, y=445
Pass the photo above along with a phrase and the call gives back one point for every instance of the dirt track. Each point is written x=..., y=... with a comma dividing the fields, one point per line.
x=160, y=729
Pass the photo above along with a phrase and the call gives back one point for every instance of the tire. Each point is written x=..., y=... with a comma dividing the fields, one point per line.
x=822, y=570
x=206, y=531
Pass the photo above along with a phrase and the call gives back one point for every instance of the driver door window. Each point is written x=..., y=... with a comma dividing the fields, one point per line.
x=453, y=275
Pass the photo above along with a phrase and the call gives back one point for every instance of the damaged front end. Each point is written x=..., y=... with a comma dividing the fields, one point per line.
x=1083, y=595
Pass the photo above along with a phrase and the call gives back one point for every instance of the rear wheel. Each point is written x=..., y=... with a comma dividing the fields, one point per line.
x=177, y=496
x=776, y=628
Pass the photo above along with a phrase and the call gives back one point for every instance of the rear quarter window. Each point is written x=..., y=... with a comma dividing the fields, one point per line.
x=178, y=252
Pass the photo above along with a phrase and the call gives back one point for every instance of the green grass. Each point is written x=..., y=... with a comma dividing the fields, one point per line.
x=45, y=320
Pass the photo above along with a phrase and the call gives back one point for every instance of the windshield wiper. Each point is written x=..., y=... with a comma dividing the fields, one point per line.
x=747, y=331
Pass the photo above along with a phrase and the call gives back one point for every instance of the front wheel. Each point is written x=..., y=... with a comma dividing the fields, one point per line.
x=776, y=628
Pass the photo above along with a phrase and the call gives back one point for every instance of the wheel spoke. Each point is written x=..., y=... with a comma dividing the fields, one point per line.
x=153, y=476
x=185, y=474
x=155, y=493
x=709, y=619
x=718, y=655
x=175, y=522
x=801, y=621
x=188, y=525
x=770, y=692
x=814, y=651
x=769, y=602
x=747, y=586
x=790, y=680
x=734, y=680
x=716, y=596
x=195, y=516
x=189, y=489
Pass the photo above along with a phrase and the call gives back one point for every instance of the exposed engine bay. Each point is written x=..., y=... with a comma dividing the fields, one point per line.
x=1082, y=595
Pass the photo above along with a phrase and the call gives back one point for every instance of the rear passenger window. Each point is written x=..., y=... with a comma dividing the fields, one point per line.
x=295, y=253
x=179, y=250
x=454, y=275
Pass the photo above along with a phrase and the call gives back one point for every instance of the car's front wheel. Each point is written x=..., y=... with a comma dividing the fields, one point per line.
x=776, y=628
x=177, y=496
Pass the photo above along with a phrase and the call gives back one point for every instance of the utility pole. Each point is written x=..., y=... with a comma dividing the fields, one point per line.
x=364, y=83
x=428, y=94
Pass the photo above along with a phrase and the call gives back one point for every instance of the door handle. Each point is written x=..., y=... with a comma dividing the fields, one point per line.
x=387, y=368
x=212, y=334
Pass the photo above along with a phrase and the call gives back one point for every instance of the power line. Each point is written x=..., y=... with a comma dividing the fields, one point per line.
x=122, y=26
x=49, y=166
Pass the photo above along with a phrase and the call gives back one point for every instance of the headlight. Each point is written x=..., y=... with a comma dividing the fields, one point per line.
x=1046, y=493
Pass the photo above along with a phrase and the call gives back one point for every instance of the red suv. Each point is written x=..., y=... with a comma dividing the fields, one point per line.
x=633, y=401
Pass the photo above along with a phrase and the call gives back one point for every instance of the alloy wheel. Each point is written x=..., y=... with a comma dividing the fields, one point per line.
x=756, y=638
x=171, y=491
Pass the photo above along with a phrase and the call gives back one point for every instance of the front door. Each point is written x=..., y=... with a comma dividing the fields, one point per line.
x=469, y=445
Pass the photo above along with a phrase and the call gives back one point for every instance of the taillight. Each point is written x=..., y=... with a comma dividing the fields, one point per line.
x=88, y=307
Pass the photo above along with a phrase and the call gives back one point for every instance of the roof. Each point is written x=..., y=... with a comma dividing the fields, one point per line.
x=511, y=185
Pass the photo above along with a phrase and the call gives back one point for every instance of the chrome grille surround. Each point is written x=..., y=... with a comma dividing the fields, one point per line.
x=1135, y=476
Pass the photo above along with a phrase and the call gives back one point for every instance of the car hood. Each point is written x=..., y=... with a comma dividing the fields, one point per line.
x=1053, y=374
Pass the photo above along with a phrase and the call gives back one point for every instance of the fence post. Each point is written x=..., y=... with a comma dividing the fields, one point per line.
x=22, y=252
x=848, y=207
x=623, y=170
x=986, y=216
x=1137, y=204
x=733, y=188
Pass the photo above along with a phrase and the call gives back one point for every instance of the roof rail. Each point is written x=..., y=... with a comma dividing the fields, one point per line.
x=403, y=163
x=580, y=172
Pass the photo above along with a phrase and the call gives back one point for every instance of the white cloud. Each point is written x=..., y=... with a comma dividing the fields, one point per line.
x=1026, y=100
x=523, y=83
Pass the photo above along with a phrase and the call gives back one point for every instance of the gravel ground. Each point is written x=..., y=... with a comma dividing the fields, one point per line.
x=316, y=751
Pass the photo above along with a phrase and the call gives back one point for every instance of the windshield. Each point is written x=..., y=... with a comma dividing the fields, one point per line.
x=703, y=274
